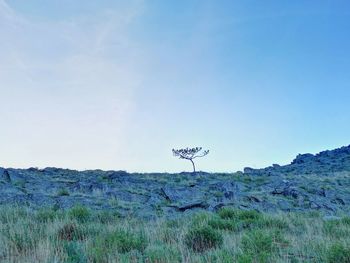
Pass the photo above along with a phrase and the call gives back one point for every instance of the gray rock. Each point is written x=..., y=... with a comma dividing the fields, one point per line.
x=284, y=205
x=192, y=205
x=286, y=190
x=5, y=176
x=182, y=194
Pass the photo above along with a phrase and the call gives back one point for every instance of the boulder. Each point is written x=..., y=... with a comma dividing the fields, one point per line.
x=5, y=176
x=286, y=190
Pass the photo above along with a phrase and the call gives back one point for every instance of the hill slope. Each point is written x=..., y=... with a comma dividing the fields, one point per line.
x=310, y=182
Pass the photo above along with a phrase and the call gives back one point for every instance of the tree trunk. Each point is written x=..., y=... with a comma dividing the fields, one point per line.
x=194, y=168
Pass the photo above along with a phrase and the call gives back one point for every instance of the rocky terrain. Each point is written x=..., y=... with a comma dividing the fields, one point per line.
x=311, y=182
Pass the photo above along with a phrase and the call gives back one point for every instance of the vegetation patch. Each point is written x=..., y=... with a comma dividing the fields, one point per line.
x=121, y=241
x=338, y=253
x=260, y=245
x=80, y=213
x=63, y=192
x=203, y=238
x=81, y=235
x=162, y=253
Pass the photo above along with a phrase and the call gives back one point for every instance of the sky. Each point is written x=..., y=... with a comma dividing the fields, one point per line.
x=118, y=84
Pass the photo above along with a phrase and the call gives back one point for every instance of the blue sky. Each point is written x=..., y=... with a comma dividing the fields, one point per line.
x=118, y=84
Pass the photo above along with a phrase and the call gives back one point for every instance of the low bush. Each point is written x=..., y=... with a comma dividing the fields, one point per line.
x=69, y=232
x=73, y=253
x=105, y=217
x=122, y=241
x=227, y=213
x=219, y=255
x=271, y=222
x=80, y=213
x=46, y=215
x=335, y=229
x=23, y=238
x=63, y=192
x=233, y=219
x=200, y=219
x=346, y=220
x=169, y=235
x=260, y=245
x=338, y=253
x=162, y=254
x=203, y=238
x=224, y=224
x=235, y=214
x=248, y=215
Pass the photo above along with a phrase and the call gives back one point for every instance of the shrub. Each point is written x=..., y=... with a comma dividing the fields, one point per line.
x=270, y=222
x=45, y=215
x=346, y=220
x=238, y=219
x=223, y=224
x=12, y=215
x=127, y=241
x=169, y=235
x=69, y=231
x=338, y=253
x=260, y=245
x=162, y=254
x=248, y=215
x=313, y=214
x=21, y=242
x=121, y=241
x=107, y=216
x=335, y=229
x=245, y=258
x=219, y=255
x=203, y=238
x=22, y=237
x=173, y=223
x=244, y=215
x=74, y=253
x=227, y=213
x=80, y=213
x=256, y=241
x=63, y=192
x=200, y=219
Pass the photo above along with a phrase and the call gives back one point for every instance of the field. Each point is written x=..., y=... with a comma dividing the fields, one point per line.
x=83, y=235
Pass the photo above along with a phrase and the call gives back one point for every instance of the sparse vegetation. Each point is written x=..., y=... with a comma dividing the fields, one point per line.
x=63, y=192
x=231, y=235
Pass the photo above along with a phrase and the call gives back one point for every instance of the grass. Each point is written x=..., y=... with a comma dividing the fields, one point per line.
x=83, y=235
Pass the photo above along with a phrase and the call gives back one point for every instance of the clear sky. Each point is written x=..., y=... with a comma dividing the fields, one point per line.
x=118, y=84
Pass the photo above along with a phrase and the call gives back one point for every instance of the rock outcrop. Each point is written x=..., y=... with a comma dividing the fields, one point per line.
x=318, y=182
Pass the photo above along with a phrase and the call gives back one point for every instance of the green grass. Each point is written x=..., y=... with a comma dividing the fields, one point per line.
x=83, y=235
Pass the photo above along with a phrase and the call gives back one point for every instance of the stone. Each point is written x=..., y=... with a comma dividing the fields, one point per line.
x=286, y=190
x=5, y=176
x=284, y=205
x=192, y=205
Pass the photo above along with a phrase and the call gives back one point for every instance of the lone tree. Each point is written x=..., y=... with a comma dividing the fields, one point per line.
x=190, y=154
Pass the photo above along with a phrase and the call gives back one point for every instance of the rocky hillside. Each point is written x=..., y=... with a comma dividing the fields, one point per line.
x=311, y=182
x=324, y=163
